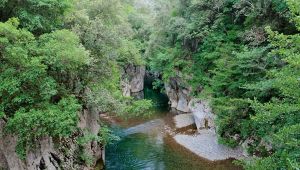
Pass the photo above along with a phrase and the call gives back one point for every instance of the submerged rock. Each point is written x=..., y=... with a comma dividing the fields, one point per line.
x=151, y=127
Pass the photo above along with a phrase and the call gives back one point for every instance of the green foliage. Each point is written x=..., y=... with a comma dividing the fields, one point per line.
x=104, y=30
x=63, y=52
x=279, y=118
x=243, y=54
x=286, y=142
x=86, y=158
x=56, y=120
x=38, y=16
x=36, y=75
x=104, y=137
x=294, y=7
x=129, y=53
x=139, y=108
x=251, y=74
x=107, y=136
x=31, y=69
x=232, y=111
x=48, y=73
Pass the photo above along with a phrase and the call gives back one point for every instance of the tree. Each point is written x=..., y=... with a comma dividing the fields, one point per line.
x=38, y=16
x=38, y=75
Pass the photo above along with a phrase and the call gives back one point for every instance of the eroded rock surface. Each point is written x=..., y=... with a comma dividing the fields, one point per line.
x=181, y=101
x=53, y=154
x=203, y=116
x=133, y=79
x=7, y=148
x=179, y=97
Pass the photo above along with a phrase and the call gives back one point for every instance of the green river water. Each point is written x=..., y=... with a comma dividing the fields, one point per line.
x=154, y=150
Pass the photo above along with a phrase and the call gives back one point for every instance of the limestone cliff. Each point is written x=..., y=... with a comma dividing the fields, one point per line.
x=53, y=154
x=132, y=80
x=179, y=96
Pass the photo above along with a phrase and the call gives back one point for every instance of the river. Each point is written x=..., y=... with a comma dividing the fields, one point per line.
x=145, y=145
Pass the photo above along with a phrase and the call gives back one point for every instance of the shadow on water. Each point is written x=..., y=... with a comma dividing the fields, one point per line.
x=144, y=145
x=159, y=99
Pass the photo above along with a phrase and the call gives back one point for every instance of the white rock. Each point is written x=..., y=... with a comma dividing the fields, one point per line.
x=183, y=101
x=137, y=82
x=205, y=145
x=204, y=118
x=172, y=95
x=133, y=79
x=184, y=120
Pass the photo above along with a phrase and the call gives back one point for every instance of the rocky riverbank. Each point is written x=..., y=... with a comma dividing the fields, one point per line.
x=203, y=142
x=189, y=110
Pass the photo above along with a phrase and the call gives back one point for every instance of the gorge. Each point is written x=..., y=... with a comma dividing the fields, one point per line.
x=149, y=84
x=150, y=143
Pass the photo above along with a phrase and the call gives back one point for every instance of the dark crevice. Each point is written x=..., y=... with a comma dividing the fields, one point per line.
x=42, y=164
x=159, y=99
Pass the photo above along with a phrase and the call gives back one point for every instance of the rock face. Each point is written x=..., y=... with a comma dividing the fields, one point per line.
x=133, y=80
x=182, y=102
x=9, y=160
x=178, y=96
x=203, y=116
x=205, y=142
x=53, y=154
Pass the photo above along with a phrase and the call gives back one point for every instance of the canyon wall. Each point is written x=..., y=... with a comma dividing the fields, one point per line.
x=54, y=154
x=132, y=81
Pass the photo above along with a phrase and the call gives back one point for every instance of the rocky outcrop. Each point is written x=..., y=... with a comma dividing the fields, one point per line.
x=53, y=154
x=179, y=97
x=89, y=122
x=181, y=101
x=203, y=116
x=10, y=159
x=205, y=142
x=132, y=81
x=3, y=162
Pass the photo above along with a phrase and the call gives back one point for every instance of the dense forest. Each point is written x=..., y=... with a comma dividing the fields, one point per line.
x=244, y=56
x=60, y=57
